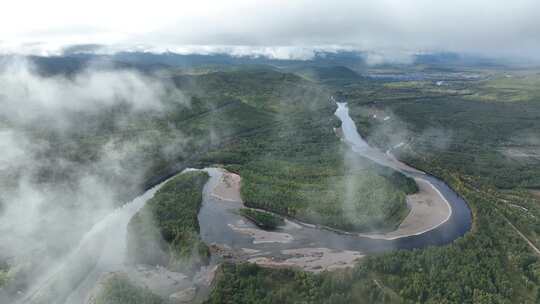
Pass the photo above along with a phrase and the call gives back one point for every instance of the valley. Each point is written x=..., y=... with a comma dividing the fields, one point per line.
x=395, y=196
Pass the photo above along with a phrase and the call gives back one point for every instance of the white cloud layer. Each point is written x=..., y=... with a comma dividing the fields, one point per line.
x=269, y=27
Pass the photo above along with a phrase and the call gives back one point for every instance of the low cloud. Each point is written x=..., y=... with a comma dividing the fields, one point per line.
x=494, y=27
x=73, y=147
x=26, y=96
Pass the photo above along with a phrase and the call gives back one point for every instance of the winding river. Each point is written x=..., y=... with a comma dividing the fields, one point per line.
x=221, y=225
x=310, y=247
x=459, y=219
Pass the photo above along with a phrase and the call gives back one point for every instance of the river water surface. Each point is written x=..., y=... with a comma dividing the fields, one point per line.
x=220, y=224
x=102, y=249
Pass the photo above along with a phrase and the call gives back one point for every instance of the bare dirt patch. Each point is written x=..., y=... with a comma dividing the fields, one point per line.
x=262, y=236
x=311, y=259
x=228, y=187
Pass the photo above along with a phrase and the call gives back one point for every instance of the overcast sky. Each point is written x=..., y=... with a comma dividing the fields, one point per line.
x=276, y=28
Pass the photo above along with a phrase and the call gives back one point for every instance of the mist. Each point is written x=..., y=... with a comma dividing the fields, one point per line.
x=74, y=148
x=291, y=30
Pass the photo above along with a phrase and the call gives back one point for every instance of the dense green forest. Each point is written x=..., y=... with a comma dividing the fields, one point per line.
x=458, y=137
x=355, y=200
x=490, y=265
x=243, y=119
x=295, y=165
x=494, y=139
x=166, y=230
x=276, y=130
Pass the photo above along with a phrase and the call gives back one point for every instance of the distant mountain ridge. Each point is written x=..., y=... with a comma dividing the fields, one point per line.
x=324, y=66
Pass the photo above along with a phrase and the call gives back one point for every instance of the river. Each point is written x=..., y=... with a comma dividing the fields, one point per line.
x=458, y=222
x=220, y=224
x=102, y=249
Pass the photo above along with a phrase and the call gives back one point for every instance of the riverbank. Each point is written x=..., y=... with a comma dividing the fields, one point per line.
x=304, y=246
x=428, y=210
x=311, y=259
x=283, y=248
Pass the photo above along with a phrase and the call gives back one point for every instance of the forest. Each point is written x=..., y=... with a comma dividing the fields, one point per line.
x=490, y=264
x=295, y=165
x=277, y=131
x=166, y=230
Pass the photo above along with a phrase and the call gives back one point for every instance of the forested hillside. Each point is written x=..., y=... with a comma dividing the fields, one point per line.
x=462, y=140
